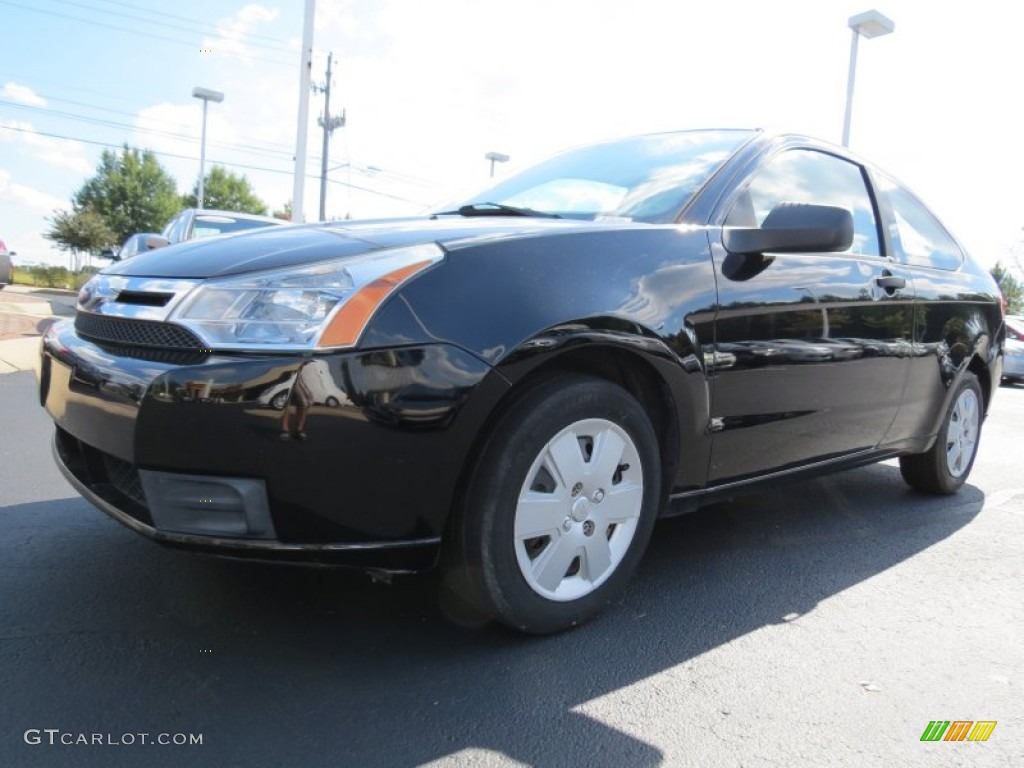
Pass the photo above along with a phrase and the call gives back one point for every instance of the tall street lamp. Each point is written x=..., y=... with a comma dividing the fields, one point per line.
x=869, y=24
x=495, y=157
x=207, y=96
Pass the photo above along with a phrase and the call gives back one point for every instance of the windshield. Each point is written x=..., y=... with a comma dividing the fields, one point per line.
x=644, y=178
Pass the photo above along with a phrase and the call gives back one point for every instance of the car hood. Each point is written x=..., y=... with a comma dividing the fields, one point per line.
x=286, y=246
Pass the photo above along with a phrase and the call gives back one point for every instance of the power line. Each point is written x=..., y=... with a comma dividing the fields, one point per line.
x=195, y=27
x=184, y=18
x=64, y=85
x=134, y=32
x=161, y=152
x=267, y=148
x=140, y=129
x=371, y=191
x=176, y=156
x=268, y=145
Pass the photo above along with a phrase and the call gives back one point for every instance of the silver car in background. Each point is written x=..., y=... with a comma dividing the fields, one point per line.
x=1013, y=352
x=193, y=224
x=6, y=266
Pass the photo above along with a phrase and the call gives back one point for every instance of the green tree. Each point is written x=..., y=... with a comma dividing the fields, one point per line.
x=225, y=191
x=78, y=233
x=1011, y=287
x=131, y=191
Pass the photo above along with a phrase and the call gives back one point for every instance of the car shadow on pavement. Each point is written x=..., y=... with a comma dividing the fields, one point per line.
x=276, y=665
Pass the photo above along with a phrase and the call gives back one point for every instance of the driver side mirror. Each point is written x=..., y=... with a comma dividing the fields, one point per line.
x=794, y=228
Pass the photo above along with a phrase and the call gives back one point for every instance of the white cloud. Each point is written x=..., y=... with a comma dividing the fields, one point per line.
x=23, y=95
x=232, y=31
x=63, y=153
x=30, y=198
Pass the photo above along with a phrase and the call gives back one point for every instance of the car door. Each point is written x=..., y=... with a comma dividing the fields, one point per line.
x=810, y=350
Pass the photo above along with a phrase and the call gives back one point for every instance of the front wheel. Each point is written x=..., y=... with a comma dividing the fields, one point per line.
x=944, y=468
x=560, y=507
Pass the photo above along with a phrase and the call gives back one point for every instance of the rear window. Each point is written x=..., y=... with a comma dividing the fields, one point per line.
x=211, y=226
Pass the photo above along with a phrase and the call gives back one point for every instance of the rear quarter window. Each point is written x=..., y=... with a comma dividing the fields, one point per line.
x=917, y=236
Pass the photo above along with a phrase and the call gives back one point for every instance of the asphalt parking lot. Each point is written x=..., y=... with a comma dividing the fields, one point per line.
x=825, y=623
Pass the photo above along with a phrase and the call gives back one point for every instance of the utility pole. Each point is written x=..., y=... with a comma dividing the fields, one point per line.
x=328, y=123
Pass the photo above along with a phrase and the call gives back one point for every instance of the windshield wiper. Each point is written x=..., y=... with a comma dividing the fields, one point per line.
x=496, y=209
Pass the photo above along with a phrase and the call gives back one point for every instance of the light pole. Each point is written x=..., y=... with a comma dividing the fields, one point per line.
x=207, y=96
x=869, y=24
x=305, y=82
x=495, y=157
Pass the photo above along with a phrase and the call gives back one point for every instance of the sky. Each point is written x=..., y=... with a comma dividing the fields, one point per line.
x=430, y=86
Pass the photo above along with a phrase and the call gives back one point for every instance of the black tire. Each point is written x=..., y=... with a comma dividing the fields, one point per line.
x=492, y=570
x=280, y=400
x=930, y=471
x=331, y=401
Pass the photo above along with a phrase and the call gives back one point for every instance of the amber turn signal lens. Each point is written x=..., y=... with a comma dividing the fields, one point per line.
x=344, y=329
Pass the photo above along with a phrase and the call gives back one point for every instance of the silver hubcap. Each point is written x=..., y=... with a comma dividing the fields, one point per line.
x=962, y=435
x=578, y=509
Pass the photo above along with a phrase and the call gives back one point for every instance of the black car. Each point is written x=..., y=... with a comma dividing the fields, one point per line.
x=533, y=376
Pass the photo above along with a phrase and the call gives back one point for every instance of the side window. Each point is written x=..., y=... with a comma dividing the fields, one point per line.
x=130, y=247
x=806, y=176
x=917, y=236
x=175, y=230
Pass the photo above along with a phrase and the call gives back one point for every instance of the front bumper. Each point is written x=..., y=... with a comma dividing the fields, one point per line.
x=188, y=450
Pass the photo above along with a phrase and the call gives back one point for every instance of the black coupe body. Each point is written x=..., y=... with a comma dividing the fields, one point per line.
x=517, y=387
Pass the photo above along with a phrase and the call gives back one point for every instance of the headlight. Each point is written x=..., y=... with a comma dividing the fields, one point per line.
x=326, y=304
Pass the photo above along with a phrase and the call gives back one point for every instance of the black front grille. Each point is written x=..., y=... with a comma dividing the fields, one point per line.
x=124, y=477
x=115, y=481
x=153, y=355
x=138, y=333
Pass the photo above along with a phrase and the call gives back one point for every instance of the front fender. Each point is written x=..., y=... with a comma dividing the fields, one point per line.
x=673, y=387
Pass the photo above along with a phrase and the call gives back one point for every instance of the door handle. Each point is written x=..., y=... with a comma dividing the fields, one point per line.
x=890, y=282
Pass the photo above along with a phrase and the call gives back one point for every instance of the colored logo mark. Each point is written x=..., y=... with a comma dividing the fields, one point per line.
x=958, y=730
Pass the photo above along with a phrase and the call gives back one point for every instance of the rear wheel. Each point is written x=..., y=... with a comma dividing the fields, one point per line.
x=944, y=468
x=559, y=509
